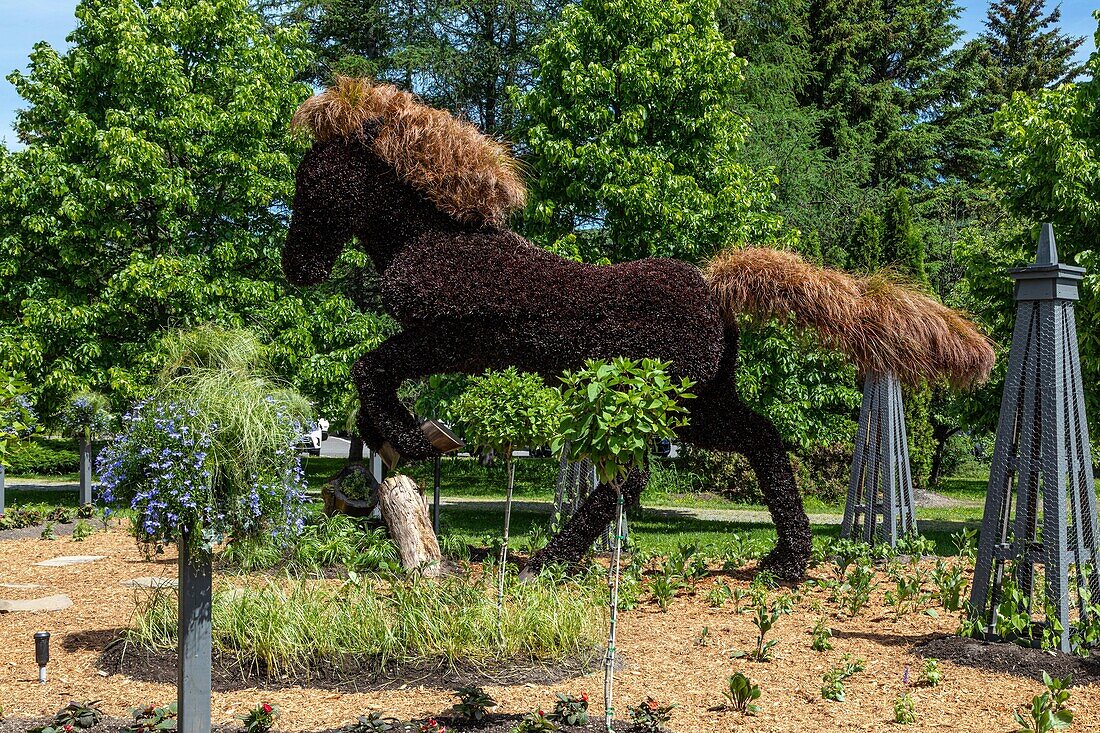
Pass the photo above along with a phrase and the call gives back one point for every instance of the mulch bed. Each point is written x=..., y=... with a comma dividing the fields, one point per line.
x=1012, y=659
x=492, y=724
x=349, y=675
x=35, y=532
x=665, y=655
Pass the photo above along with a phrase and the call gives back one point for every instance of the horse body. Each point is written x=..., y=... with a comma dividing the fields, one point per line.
x=427, y=197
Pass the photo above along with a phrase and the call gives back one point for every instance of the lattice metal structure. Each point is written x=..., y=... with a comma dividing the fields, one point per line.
x=576, y=480
x=880, y=491
x=1040, y=508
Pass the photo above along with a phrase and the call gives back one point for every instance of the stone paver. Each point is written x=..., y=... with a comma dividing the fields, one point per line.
x=20, y=586
x=47, y=603
x=60, y=562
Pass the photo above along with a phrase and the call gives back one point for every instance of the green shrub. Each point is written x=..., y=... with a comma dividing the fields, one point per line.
x=42, y=456
x=822, y=472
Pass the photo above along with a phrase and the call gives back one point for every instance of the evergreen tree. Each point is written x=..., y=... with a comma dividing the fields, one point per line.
x=877, y=73
x=902, y=245
x=865, y=242
x=1028, y=49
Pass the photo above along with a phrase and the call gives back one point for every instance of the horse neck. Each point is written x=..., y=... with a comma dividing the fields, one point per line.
x=399, y=224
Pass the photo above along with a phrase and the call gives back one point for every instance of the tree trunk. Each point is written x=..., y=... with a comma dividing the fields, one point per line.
x=406, y=515
x=355, y=449
x=941, y=436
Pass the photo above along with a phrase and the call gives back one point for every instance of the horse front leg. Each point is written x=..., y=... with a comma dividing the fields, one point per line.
x=411, y=354
x=587, y=523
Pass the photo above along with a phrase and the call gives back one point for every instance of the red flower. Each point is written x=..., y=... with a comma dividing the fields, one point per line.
x=584, y=696
x=68, y=727
x=267, y=708
x=652, y=704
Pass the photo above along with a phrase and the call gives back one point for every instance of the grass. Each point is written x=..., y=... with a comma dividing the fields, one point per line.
x=293, y=625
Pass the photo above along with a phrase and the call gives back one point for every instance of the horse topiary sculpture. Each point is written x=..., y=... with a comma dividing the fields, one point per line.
x=427, y=197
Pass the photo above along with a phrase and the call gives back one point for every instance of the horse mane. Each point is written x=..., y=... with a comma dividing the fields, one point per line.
x=467, y=175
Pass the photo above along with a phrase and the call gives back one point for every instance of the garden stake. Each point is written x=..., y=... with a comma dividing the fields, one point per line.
x=86, y=469
x=510, y=466
x=193, y=687
x=613, y=582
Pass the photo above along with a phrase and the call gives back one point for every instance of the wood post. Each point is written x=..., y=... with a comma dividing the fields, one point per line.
x=85, y=471
x=406, y=516
x=194, y=653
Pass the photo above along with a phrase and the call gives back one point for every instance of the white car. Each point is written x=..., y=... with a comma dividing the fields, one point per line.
x=311, y=442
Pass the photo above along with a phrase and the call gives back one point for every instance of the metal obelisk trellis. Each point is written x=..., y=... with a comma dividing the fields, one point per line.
x=1042, y=455
x=880, y=491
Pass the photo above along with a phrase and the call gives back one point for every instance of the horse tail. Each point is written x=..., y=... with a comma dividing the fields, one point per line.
x=881, y=324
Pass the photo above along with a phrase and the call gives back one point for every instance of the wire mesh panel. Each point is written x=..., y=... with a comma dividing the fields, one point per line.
x=576, y=480
x=1040, y=511
x=880, y=491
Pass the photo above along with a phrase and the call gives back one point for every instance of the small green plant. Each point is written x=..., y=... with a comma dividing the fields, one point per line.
x=48, y=533
x=905, y=710
x=741, y=692
x=571, y=709
x=834, y=679
x=854, y=593
x=374, y=722
x=650, y=716
x=535, y=722
x=473, y=703
x=1048, y=711
x=260, y=719
x=719, y=593
x=153, y=719
x=821, y=635
x=703, y=639
x=764, y=620
x=82, y=531
x=74, y=716
x=930, y=673
x=966, y=543
x=663, y=588
x=906, y=595
x=950, y=583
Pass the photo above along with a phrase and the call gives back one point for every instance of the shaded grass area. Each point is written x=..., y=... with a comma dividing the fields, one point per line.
x=661, y=532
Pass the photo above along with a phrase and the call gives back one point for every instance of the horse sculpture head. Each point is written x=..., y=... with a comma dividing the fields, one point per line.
x=384, y=168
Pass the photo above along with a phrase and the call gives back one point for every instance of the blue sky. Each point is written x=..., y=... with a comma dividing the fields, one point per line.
x=25, y=22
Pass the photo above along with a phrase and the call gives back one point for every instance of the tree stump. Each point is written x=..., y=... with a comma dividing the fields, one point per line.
x=410, y=525
x=353, y=477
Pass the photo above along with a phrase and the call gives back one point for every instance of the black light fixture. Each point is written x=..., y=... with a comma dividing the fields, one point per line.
x=42, y=653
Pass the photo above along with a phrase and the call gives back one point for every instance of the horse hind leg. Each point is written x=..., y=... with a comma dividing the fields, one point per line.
x=722, y=422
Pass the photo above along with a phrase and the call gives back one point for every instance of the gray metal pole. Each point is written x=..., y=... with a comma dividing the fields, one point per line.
x=1, y=488
x=435, y=499
x=85, y=471
x=193, y=688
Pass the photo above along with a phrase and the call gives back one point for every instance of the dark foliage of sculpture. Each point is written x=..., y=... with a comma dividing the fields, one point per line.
x=426, y=197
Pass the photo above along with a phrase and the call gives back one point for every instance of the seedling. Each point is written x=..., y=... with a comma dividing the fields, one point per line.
x=834, y=679
x=571, y=709
x=821, y=636
x=930, y=673
x=473, y=703
x=1048, y=711
x=905, y=710
x=741, y=692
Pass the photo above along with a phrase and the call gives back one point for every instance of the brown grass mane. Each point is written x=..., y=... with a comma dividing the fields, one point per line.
x=882, y=324
x=467, y=175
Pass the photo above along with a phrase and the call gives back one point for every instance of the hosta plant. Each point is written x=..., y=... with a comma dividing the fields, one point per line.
x=650, y=716
x=473, y=703
x=741, y=692
x=571, y=709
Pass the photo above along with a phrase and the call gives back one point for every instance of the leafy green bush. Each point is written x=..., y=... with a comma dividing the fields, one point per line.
x=42, y=456
x=822, y=472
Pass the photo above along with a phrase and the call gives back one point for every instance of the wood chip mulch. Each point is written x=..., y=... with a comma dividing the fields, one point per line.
x=662, y=656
